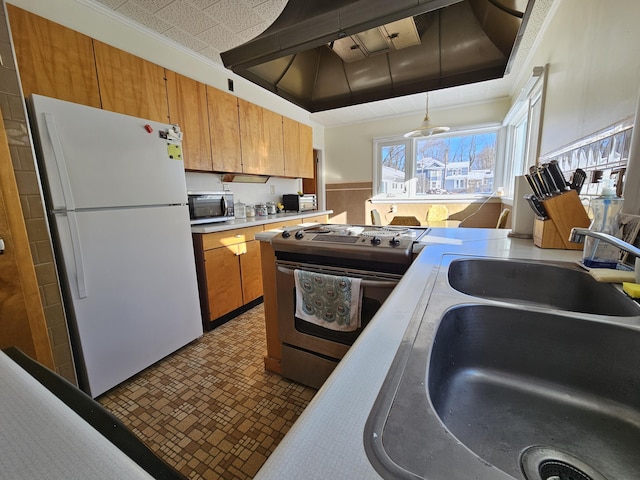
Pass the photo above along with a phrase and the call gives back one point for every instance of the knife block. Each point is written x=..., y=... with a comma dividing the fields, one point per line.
x=564, y=212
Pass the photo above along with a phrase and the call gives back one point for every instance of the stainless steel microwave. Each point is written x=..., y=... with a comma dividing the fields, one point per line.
x=209, y=207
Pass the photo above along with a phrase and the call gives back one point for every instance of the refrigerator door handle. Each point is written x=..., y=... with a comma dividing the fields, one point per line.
x=58, y=153
x=77, y=254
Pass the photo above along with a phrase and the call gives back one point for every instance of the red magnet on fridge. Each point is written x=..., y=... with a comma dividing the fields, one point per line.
x=148, y=128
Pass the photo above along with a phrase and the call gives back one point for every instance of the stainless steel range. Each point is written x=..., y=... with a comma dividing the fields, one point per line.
x=365, y=261
x=381, y=248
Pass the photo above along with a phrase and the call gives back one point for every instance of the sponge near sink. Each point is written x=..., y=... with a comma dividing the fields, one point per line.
x=611, y=275
x=631, y=289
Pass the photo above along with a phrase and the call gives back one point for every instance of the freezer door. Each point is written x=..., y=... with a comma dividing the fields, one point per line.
x=131, y=285
x=95, y=158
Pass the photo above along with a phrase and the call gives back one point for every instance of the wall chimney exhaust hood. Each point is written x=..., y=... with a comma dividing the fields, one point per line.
x=325, y=54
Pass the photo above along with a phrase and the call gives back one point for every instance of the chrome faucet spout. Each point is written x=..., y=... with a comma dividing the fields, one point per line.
x=578, y=234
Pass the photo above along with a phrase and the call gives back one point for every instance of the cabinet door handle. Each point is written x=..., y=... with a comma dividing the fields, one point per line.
x=1, y=246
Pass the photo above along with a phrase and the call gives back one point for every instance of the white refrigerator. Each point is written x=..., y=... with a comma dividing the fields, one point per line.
x=116, y=199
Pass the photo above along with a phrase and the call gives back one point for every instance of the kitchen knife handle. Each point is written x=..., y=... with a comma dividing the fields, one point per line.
x=558, y=176
x=549, y=181
x=537, y=178
x=536, y=206
x=532, y=184
x=579, y=176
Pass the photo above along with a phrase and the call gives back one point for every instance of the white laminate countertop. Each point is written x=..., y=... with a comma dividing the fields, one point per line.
x=41, y=437
x=327, y=439
x=254, y=221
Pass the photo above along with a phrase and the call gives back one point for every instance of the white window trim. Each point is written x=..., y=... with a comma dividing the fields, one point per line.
x=530, y=105
x=410, y=197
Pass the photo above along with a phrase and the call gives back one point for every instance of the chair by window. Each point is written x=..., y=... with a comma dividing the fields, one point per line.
x=437, y=213
x=375, y=217
x=405, y=220
x=502, y=219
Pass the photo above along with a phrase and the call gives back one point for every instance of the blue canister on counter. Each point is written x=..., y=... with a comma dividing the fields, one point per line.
x=598, y=254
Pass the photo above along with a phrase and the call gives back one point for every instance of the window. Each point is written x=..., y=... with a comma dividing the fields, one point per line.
x=523, y=124
x=393, y=160
x=475, y=161
x=461, y=162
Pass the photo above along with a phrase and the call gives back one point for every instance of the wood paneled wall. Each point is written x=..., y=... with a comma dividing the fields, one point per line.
x=348, y=201
x=22, y=157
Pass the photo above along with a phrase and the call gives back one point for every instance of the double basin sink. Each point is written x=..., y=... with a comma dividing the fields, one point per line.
x=517, y=370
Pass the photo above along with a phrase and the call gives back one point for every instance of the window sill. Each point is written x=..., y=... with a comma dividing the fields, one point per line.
x=435, y=199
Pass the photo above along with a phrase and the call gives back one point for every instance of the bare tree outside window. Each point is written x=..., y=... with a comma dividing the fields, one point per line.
x=393, y=161
x=461, y=164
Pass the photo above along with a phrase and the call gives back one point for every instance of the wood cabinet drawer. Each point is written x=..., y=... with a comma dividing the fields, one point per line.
x=282, y=224
x=316, y=219
x=229, y=237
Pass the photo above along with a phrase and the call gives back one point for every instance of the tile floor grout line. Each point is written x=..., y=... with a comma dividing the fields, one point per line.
x=210, y=409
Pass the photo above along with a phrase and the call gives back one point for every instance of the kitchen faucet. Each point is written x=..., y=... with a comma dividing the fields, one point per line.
x=578, y=234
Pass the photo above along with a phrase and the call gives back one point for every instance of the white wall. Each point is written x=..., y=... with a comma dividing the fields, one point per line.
x=249, y=193
x=594, y=68
x=594, y=76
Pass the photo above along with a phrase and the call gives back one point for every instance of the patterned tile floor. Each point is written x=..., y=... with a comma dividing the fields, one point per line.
x=210, y=409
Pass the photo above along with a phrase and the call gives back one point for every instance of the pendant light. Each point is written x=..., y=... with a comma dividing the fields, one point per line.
x=426, y=129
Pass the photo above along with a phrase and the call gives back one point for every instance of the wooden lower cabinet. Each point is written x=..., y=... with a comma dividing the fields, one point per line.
x=229, y=273
x=251, y=272
x=273, y=357
x=224, y=282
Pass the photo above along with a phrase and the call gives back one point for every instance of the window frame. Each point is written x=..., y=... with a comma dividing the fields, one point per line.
x=410, y=164
x=529, y=108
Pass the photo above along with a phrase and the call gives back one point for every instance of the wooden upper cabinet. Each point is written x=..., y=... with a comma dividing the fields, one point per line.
x=224, y=131
x=305, y=163
x=188, y=108
x=53, y=60
x=272, y=142
x=254, y=158
x=130, y=84
x=291, y=135
x=261, y=140
x=298, y=149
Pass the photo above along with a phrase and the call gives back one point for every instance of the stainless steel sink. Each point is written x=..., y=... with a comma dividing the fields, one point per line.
x=562, y=286
x=503, y=380
x=481, y=389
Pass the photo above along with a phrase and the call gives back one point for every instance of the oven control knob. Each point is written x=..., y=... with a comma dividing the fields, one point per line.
x=299, y=234
x=394, y=242
x=375, y=241
x=286, y=234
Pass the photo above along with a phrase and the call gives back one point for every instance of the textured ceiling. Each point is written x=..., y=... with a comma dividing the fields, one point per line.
x=208, y=27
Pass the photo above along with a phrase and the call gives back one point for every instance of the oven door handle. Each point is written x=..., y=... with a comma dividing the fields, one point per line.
x=363, y=283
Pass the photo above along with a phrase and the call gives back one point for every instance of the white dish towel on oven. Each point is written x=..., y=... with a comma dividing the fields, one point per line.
x=329, y=301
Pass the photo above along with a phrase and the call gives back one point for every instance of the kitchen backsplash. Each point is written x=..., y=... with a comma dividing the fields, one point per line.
x=249, y=193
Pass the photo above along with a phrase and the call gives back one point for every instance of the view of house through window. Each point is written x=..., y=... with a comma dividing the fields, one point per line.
x=461, y=163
